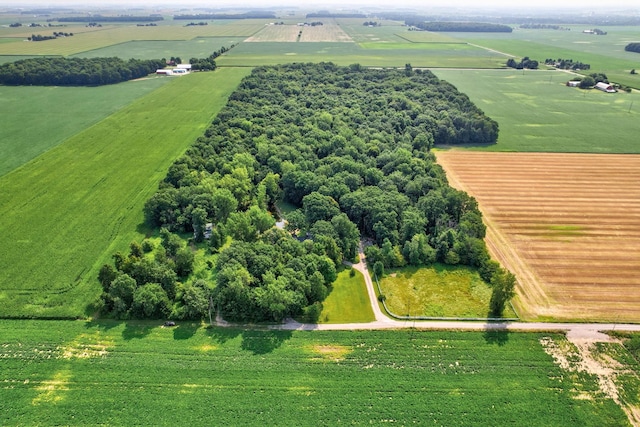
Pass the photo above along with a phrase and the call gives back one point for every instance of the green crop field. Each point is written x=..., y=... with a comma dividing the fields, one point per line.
x=200, y=47
x=64, y=214
x=76, y=373
x=375, y=55
x=438, y=291
x=54, y=114
x=537, y=112
x=114, y=35
x=605, y=54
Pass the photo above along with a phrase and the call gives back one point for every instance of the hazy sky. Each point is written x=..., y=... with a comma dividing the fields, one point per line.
x=418, y=4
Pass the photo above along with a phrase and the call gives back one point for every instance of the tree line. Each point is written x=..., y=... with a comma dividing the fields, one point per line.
x=350, y=148
x=75, y=71
x=525, y=62
x=100, y=18
x=446, y=26
x=246, y=15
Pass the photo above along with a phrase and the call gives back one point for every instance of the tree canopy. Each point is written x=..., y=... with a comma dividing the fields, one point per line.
x=350, y=147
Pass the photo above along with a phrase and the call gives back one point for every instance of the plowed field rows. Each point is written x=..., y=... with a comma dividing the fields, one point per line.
x=568, y=226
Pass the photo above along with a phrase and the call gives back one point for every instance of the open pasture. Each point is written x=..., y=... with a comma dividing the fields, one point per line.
x=537, y=112
x=36, y=119
x=64, y=214
x=437, y=291
x=127, y=373
x=567, y=225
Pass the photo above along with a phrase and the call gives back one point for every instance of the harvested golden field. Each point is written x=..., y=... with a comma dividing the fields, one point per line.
x=568, y=226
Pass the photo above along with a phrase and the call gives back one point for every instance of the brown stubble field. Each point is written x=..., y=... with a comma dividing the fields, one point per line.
x=568, y=226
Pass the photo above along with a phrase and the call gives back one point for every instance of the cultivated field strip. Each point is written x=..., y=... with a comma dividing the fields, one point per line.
x=570, y=227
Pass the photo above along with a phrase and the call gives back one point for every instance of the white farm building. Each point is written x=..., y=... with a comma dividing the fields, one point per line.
x=605, y=87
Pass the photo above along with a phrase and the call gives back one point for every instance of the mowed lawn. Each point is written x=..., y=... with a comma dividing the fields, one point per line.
x=537, y=112
x=131, y=373
x=64, y=214
x=348, y=301
x=34, y=119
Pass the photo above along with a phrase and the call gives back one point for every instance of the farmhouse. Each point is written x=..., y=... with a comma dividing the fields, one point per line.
x=185, y=66
x=573, y=83
x=605, y=87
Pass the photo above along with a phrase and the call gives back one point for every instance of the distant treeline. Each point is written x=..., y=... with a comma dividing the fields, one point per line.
x=633, y=47
x=246, y=15
x=325, y=14
x=75, y=71
x=544, y=27
x=99, y=18
x=567, y=64
x=469, y=27
x=559, y=19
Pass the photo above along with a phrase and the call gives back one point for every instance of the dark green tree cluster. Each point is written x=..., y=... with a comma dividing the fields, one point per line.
x=148, y=282
x=271, y=278
x=632, y=47
x=350, y=147
x=75, y=71
x=208, y=63
x=462, y=27
x=567, y=64
x=525, y=62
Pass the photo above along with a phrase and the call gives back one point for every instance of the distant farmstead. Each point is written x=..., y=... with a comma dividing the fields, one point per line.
x=605, y=87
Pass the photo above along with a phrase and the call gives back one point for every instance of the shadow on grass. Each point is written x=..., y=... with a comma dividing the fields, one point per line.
x=498, y=336
x=253, y=340
x=103, y=324
x=137, y=330
x=184, y=331
x=263, y=342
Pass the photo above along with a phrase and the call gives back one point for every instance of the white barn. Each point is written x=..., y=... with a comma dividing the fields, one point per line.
x=605, y=87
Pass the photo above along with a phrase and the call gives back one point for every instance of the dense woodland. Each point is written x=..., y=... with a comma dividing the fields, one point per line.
x=75, y=71
x=350, y=148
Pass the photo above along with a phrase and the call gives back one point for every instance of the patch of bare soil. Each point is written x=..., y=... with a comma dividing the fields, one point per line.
x=577, y=355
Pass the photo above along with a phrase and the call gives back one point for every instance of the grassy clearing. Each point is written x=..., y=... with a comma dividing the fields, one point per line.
x=76, y=373
x=348, y=301
x=55, y=114
x=438, y=291
x=68, y=211
x=536, y=112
